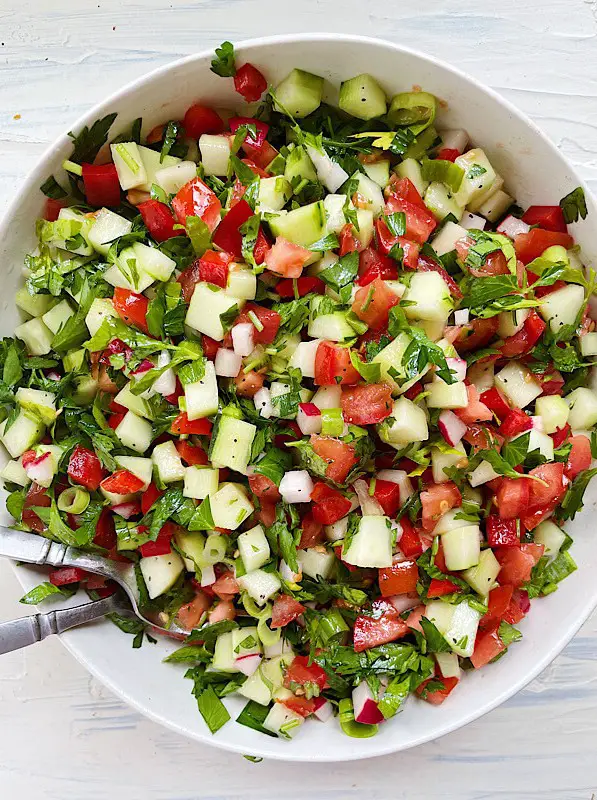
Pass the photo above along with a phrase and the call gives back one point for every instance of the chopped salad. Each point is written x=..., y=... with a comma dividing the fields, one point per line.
x=313, y=372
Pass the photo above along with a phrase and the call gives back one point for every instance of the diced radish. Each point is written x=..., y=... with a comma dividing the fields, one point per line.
x=451, y=427
x=296, y=486
x=263, y=402
x=323, y=709
x=166, y=383
x=512, y=226
x=242, y=338
x=228, y=363
x=472, y=222
x=461, y=316
x=127, y=510
x=538, y=425
x=369, y=505
x=365, y=707
x=52, y=375
x=208, y=575
x=454, y=140
x=248, y=664
x=288, y=574
x=400, y=477
x=458, y=366
x=309, y=418
x=41, y=469
x=403, y=602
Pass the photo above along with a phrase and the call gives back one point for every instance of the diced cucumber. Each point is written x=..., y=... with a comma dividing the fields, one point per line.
x=282, y=721
x=82, y=225
x=202, y=396
x=562, y=307
x=588, y=344
x=299, y=93
x=334, y=210
x=458, y=624
x=13, y=472
x=362, y=97
x=172, y=179
x=86, y=389
x=107, y=227
x=254, y=548
x=153, y=262
x=199, y=481
x=207, y=304
x=510, y=322
x=476, y=204
x=316, y=562
x=479, y=175
x=333, y=327
x=232, y=446
x=482, y=474
x=327, y=397
x=448, y=664
x=390, y=358
x=441, y=202
x=518, y=384
x=496, y=206
x=462, y=547
x=365, y=231
x=304, y=357
x=274, y=193
x=481, y=578
x=302, y=226
x=371, y=545
x=153, y=164
x=134, y=402
x=224, y=658
x=191, y=544
x=127, y=274
x=34, y=304
x=440, y=461
x=134, y=432
x=541, y=442
x=160, y=573
x=371, y=192
x=129, y=165
x=167, y=462
x=583, y=409
x=242, y=282
x=553, y=410
x=41, y=404
x=256, y=688
x=260, y=585
x=215, y=154
x=411, y=169
x=443, y=395
x=22, y=434
x=230, y=506
x=129, y=537
x=57, y=316
x=407, y=423
x=99, y=309
x=430, y=297
x=299, y=166
x=446, y=239
x=142, y=468
x=550, y=536
x=245, y=642
x=36, y=335
x=379, y=171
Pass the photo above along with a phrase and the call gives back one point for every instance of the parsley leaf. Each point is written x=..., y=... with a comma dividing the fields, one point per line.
x=574, y=205
x=223, y=64
x=89, y=141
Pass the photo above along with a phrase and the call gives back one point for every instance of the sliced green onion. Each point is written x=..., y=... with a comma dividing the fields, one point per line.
x=73, y=500
x=232, y=411
x=70, y=166
x=255, y=611
x=332, y=624
x=127, y=158
x=412, y=109
x=267, y=636
x=443, y=171
x=422, y=144
x=255, y=320
x=214, y=550
x=332, y=422
x=348, y=724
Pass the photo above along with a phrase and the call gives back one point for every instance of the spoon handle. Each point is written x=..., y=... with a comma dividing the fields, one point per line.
x=22, y=632
x=33, y=549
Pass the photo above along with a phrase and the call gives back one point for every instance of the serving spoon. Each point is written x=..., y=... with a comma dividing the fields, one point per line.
x=33, y=549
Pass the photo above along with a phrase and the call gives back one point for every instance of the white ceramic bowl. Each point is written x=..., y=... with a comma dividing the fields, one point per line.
x=534, y=171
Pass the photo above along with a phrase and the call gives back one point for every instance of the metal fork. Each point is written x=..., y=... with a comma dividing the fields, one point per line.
x=33, y=549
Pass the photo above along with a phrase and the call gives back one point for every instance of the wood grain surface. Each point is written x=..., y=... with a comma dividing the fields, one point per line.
x=62, y=735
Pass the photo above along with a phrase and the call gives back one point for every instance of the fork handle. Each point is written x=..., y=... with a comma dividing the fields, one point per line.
x=28, y=630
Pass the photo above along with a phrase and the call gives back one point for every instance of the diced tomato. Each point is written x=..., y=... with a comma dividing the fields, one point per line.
x=526, y=338
x=300, y=705
x=425, y=264
x=190, y=614
x=261, y=248
x=550, y=218
x=196, y=199
x=228, y=236
x=210, y=346
x=404, y=189
x=515, y=422
x=105, y=533
x=386, y=240
x=226, y=586
x=475, y=411
x=517, y=563
x=546, y=493
x=496, y=402
x=268, y=318
x=387, y=495
x=102, y=187
x=286, y=258
x=530, y=245
x=488, y=646
x=497, y=604
x=161, y=546
x=261, y=129
x=330, y=509
x=66, y=575
x=448, y=154
x=439, y=587
x=560, y=436
x=476, y=334
x=202, y=119
x=249, y=83
x=262, y=155
x=264, y=488
x=420, y=222
x=267, y=513
x=495, y=264
x=513, y=614
x=373, y=302
x=213, y=267
x=149, y=497
x=502, y=532
x=248, y=383
x=333, y=366
x=286, y=609
x=301, y=673
x=580, y=457
x=183, y=425
x=400, y=578
x=367, y=405
x=311, y=532
x=114, y=420
x=122, y=482
x=193, y=455
x=306, y=285
x=348, y=240
x=436, y=500
x=513, y=498
x=552, y=381
x=85, y=468
x=385, y=625
x=436, y=697
x=339, y=456
x=52, y=208
x=410, y=542
x=131, y=308
x=158, y=220
x=373, y=264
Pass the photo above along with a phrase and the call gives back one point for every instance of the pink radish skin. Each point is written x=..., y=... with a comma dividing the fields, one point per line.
x=512, y=226
x=365, y=707
x=451, y=427
x=458, y=366
x=41, y=470
x=248, y=664
x=126, y=510
x=308, y=418
x=323, y=709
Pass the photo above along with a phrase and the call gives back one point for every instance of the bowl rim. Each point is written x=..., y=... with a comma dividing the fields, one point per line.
x=31, y=182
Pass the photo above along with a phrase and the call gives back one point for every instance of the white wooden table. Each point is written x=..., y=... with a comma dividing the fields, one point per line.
x=62, y=735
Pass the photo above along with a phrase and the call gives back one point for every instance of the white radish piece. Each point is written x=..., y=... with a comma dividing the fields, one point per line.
x=242, y=338
x=248, y=664
x=41, y=470
x=126, y=510
x=365, y=706
x=296, y=486
x=208, y=575
x=324, y=710
x=263, y=402
x=512, y=226
x=454, y=139
x=404, y=602
x=451, y=427
x=472, y=222
x=458, y=367
x=369, y=505
x=461, y=316
x=228, y=363
x=308, y=418
x=166, y=383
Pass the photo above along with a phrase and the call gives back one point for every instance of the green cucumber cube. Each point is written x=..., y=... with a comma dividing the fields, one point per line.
x=363, y=97
x=232, y=447
x=299, y=93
